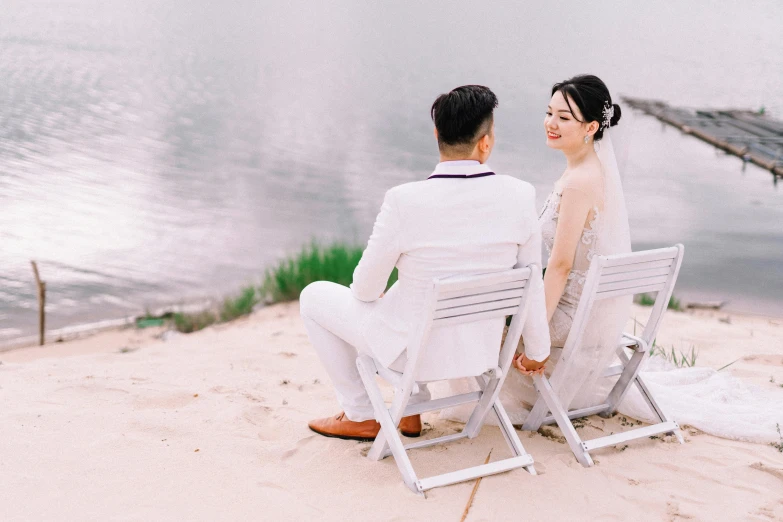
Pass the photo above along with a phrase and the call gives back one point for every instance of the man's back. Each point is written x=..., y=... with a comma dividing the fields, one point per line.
x=437, y=228
x=456, y=226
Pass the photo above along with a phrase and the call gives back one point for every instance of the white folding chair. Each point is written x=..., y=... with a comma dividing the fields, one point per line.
x=452, y=301
x=609, y=277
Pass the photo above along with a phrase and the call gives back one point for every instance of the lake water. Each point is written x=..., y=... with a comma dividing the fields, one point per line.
x=159, y=152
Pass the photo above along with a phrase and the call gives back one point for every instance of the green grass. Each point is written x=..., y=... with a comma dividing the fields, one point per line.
x=234, y=307
x=681, y=360
x=335, y=262
x=231, y=308
x=648, y=300
x=188, y=323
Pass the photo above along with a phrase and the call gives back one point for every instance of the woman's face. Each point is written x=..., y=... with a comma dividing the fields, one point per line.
x=563, y=130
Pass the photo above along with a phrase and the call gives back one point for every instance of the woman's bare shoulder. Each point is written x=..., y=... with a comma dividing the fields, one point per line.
x=587, y=178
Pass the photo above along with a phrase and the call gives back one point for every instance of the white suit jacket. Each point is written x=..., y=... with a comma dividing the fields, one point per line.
x=463, y=219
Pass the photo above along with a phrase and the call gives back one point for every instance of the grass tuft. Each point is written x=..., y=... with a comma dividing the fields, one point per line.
x=683, y=360
x=335, y=263
x=231, y=308
x=189, y=323
x=234, y=307
x=649, y=300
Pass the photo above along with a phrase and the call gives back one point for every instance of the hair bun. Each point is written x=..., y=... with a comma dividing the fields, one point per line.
x=616, y=117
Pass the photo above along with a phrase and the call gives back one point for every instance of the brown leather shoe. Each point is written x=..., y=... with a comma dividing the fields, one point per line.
x=411, y=426
x=341, y=427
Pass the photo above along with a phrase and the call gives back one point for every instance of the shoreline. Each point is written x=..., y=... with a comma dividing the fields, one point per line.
x=86, y=330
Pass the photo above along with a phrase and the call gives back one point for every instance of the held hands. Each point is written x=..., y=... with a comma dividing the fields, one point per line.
x=529, y=366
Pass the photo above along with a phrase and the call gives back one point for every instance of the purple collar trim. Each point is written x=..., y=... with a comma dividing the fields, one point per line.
x=463, y=176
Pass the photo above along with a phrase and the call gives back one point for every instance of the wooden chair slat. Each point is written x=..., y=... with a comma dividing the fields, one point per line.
x=633, y=267
x=630, y=291
x=625, y=276
x=479, y=298
x=466, y=282
x=476, y=316
x=476, y=308
x=452, y=294
x=632, y=283
x=639, y=257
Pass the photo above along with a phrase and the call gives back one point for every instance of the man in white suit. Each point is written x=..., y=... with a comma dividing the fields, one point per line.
x=462, y=219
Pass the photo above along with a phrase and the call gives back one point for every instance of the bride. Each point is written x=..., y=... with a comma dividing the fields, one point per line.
x=585, y=215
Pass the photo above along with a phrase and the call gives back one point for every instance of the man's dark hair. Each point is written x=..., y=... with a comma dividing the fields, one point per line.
x=463, y=116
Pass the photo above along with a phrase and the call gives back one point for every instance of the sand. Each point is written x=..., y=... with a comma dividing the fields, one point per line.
x=212, y=426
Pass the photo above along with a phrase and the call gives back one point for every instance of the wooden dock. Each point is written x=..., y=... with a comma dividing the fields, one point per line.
x=746, y=134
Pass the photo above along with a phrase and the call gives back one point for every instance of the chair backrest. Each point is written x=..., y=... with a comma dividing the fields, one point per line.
x=639, y=273
x=611, y=277
x=463, y=299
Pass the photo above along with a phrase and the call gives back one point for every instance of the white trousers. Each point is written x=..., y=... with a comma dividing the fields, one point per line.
x=333, y=318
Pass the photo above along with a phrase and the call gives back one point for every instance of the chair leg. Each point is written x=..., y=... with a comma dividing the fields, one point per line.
x=631, y=375
x=648, y=397
x=388, y=429
x=489, y=395
x=510, y=434
x=378, y=448
x=507, y=429
x=561, y=417
x=536, y=416
x=631, y=369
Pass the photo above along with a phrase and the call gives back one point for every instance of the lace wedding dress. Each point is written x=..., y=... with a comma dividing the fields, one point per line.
x=518, y=393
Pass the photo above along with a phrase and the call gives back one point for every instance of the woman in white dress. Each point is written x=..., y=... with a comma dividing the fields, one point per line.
x=585, y=215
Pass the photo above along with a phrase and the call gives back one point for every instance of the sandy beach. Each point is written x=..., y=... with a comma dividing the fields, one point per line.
x=125, y=425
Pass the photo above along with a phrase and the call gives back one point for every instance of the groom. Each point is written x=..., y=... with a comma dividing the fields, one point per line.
x=462, y=219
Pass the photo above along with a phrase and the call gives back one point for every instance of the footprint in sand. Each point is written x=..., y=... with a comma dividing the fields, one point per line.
x=775, y=472
x=223, y=390
x=287, y=454
x=673, y=512
x=170, y=401
x=254, y=398
x=94, y=389
x=765, y=359
x=270, y=485
x=265, y=420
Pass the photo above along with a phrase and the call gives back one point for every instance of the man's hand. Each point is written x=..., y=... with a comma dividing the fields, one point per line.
x=529, y=366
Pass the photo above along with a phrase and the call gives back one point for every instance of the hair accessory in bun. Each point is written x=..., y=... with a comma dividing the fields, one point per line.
x=608, y=115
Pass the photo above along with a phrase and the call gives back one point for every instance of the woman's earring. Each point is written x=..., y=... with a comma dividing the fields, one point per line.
x=587, y=138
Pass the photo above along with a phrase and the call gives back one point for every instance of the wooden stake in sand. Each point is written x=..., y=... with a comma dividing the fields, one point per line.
x=473, y=493
x=41, y=303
